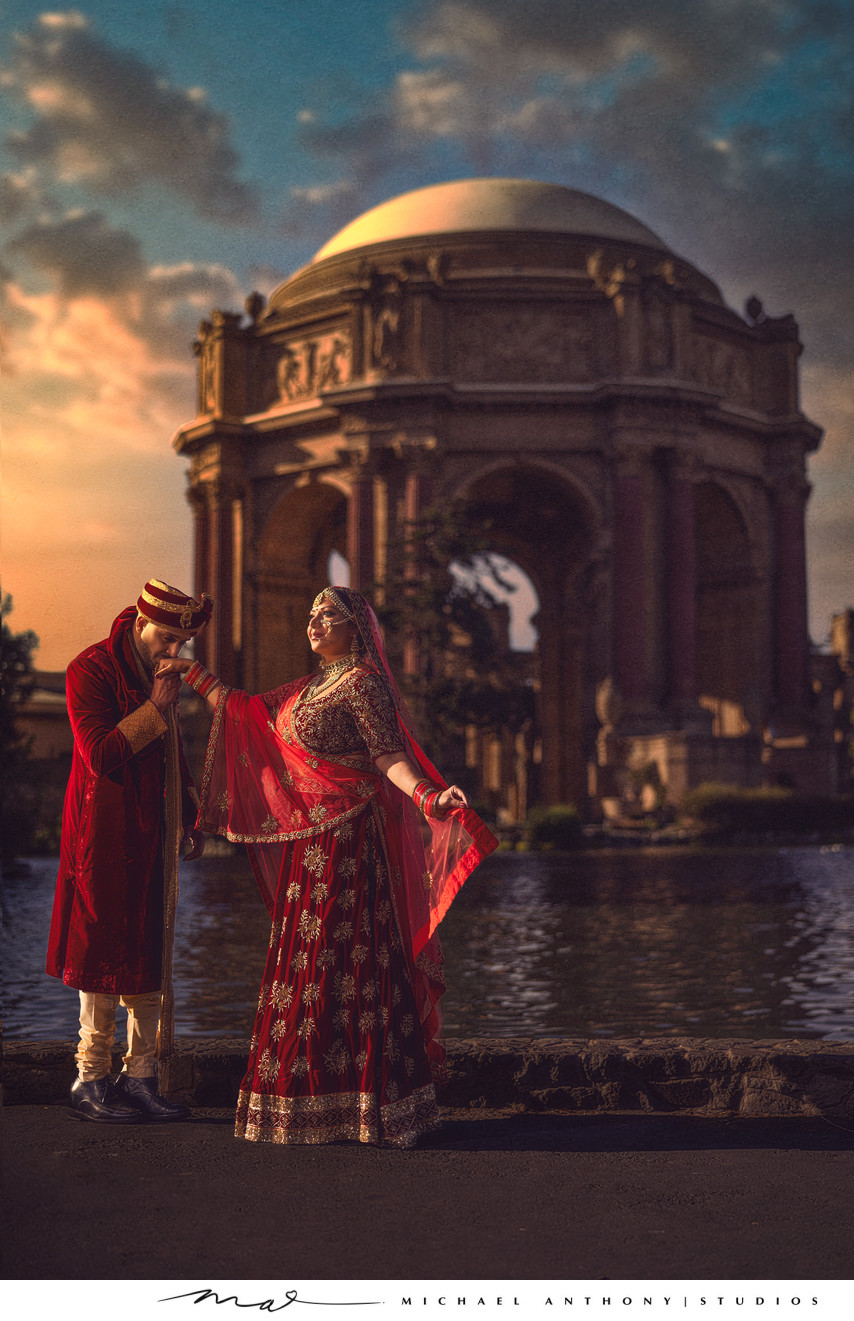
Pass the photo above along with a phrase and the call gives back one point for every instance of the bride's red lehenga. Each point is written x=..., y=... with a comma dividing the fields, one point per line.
x=347, y=1042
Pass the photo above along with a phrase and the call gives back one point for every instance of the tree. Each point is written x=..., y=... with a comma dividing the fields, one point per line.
x=16, y=682
x=441, y=608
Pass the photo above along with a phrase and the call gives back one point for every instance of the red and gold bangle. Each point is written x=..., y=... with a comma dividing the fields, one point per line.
x=422, y=788
x=429, y=808
x=200, y=679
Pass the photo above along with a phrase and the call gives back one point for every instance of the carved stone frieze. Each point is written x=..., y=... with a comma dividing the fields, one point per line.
x=307, y=366
x=723, y=367
x=503, y=343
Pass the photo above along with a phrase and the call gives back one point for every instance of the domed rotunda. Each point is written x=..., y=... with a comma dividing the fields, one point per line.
x=541, y=358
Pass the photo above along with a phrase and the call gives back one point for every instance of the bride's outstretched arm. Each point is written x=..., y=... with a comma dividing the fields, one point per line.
x=432, y=800
x=206, y=685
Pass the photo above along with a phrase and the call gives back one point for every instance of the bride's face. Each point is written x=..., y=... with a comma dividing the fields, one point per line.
x=330, y=635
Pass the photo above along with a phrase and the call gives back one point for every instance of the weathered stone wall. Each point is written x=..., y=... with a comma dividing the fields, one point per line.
x=657, y=1076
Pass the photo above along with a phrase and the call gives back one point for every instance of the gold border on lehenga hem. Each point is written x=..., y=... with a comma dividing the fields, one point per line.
x=336, y=1117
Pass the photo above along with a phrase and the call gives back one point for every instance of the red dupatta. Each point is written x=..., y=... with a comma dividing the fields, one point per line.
x=263, y=788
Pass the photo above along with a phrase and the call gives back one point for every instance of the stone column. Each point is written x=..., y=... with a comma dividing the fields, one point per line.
x=198, y=501
x=221, y=629
x=790, y=600
x=631, y=589
x=682, y=582
x=360, y=528
x=418, y=496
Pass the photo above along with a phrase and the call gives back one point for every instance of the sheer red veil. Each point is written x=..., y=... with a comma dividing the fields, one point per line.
x=265, y=790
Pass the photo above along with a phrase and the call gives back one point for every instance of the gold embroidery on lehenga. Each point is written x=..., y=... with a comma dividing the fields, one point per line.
x=317, y=813
x=347, y=868
x=325, y=957
x=339, y=1116
x=299, y=962
x=391, y=1091
x=243, y=760
x=306, y=1027
x=341, y=1017
x=407, y=1025
x=319, y=891
x=310, y=925
x=222, y=803
x=336, y=1058
x=347, y=899
x=343, y=931
x=310, y=993
x=367, y=1021
x=345, y=986
x=268, y=1068
x=293, y=891
x=299, y=1066
x=270, y=825
x=279, y=1029
x=362, y=1059
x=359, y=953
x=314, y=859
x=281, y=995
x=391, y=1049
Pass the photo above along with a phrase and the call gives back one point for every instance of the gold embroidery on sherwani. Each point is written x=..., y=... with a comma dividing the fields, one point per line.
x=143, y=726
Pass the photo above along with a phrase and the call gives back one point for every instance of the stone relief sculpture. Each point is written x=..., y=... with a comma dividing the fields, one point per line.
x=387, y=303
x=723, y=367
x=528, y=344
x=306, y=366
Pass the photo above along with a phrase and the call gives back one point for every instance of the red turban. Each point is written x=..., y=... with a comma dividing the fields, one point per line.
x=166, y=607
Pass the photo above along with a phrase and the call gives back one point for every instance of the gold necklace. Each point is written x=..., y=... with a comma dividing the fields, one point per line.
x=329, y=673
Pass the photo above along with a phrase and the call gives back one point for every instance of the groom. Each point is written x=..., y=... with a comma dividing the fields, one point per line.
x=130, y=801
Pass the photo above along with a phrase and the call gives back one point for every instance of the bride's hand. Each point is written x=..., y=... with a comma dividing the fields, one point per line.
x=451, y=798
x=173, y=665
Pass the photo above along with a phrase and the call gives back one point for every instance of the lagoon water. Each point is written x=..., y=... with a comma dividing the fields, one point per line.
x=669, y=942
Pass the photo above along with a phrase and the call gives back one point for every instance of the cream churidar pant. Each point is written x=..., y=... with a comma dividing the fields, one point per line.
x=98, y=1032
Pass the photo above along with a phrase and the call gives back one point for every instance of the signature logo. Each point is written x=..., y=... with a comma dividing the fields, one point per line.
x=264, y=1305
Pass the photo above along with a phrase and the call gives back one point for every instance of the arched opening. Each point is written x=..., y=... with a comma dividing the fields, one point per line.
x=337, y=569
x=541, y=526
x=505, y=757
x=726, y=613
x=307, y=526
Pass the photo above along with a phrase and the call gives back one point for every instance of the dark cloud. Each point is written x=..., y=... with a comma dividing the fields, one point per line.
x=106, y=119
x=725, y=126
x=83, y=254
x=17, y=198
x=173, y=300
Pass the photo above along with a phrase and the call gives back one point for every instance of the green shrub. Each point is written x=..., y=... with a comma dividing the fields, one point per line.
x=557, y=827
x=725, y=809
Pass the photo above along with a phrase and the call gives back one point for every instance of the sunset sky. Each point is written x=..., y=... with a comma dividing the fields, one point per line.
x=162, y=159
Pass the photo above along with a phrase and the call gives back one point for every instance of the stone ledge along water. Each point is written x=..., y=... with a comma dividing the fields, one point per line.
x=700, y=1076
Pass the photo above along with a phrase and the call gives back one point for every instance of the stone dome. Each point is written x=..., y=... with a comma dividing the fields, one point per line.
x=487, y=205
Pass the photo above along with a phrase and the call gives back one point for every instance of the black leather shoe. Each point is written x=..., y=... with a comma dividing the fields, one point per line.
x=97, y=1102
x=142, y=1093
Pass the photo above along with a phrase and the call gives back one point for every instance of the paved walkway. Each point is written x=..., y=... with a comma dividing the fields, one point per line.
x=493, y=1196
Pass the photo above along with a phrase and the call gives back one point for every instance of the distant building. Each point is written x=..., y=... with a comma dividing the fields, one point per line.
x=639, y=448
